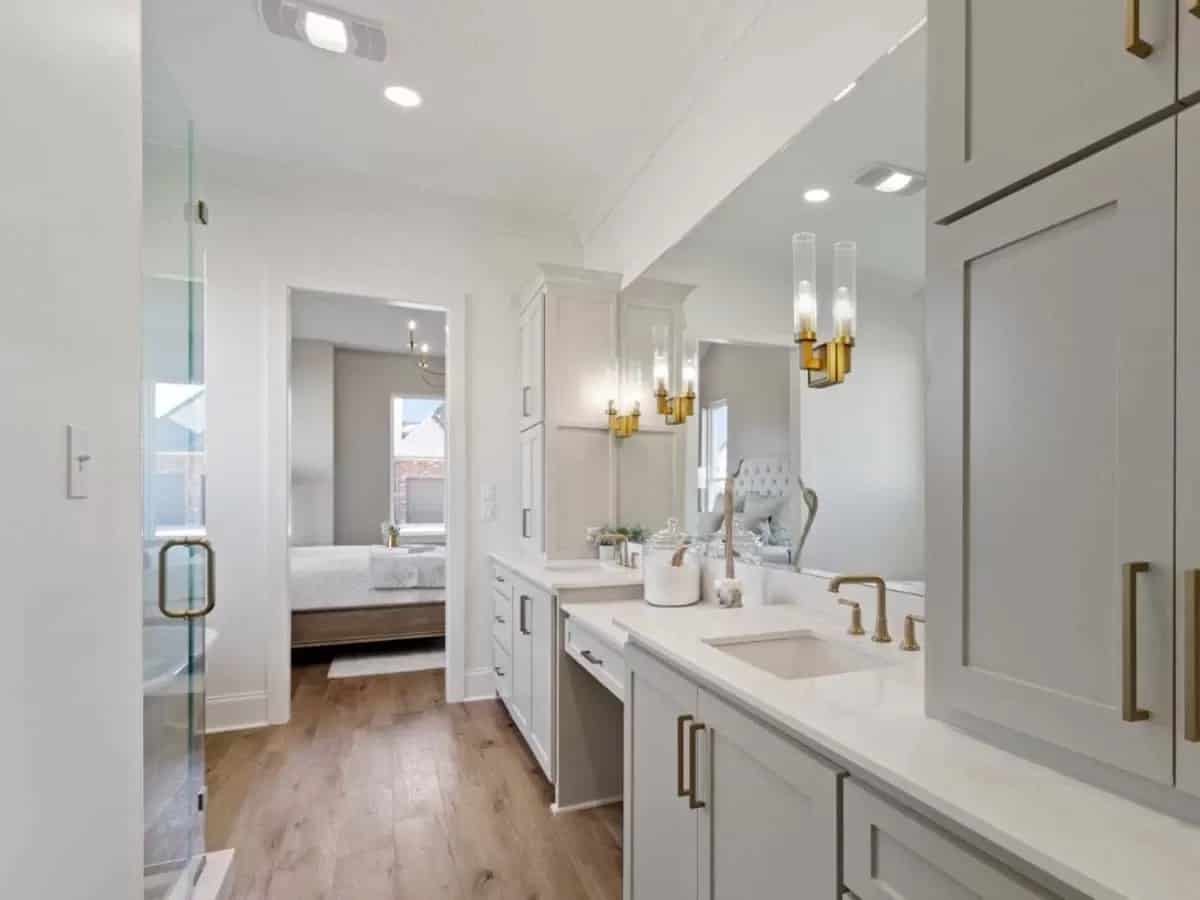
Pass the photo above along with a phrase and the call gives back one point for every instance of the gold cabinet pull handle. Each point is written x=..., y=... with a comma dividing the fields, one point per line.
x=694, y=729
x=680, y=788
x=1129, y=707
x=1191, y=650
x=1133, y=30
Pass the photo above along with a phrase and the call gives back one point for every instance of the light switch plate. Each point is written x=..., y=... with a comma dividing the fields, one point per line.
x=78, y=462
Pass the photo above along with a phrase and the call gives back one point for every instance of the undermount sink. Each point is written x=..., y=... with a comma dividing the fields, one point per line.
x=796, y=654
x=581, y=565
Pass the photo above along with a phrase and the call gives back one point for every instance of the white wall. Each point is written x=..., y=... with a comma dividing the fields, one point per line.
x=756, y=382
x=364, y=384
x=312, y=443
x=70, y=673
x=787, y=66
x=276, y=227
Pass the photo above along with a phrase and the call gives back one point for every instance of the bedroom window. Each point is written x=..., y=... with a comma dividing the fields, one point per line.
x=714, y=424
x=418, y=460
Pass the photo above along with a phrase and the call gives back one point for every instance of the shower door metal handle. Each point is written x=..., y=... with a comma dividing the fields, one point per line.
x=211, y=580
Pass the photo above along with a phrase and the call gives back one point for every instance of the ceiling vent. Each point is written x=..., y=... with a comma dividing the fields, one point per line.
x=325, y=28
x=887, y=178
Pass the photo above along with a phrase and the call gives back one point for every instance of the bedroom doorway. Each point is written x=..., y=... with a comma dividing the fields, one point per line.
x=368, y=524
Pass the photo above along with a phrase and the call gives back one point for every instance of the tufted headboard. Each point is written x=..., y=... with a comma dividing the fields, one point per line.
x=768, y=476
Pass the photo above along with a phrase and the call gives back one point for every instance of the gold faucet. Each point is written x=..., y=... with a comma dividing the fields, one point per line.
x=909, y=641
x=855, y=628
x=881, y=626
x=614, y=538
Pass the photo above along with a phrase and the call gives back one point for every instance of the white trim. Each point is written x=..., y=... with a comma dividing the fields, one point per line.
x=480, y=685
x=233, y=712
x=215, y=883
x=277, y=466
x=555, y=809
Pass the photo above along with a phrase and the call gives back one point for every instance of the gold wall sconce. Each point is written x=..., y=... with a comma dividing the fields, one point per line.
x=624, y=425
x=678, y=408
x=422, y=351
x=826, y=363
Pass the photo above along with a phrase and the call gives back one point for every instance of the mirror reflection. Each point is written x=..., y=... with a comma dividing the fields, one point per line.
x=806, y=322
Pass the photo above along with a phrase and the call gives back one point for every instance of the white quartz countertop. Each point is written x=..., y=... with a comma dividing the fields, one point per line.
x=873, y=722
x=569, y=574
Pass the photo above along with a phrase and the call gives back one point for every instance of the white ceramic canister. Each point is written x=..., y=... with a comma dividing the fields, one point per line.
x=671, y=567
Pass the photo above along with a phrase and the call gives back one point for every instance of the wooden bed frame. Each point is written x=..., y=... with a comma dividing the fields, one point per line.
x=367, y=624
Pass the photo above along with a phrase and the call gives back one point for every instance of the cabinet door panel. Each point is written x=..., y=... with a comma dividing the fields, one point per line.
x=522, y=657
x=1050, y=455
x=532, y=490
x=1017, y=86
x=541, y=723
x=661, y=831
x=1189, y=49
x=769, y=829
x=1187, y=411
x=892, y=855
x=533, y=346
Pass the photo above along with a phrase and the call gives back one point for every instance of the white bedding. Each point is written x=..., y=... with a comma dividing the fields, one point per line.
x=339, y=577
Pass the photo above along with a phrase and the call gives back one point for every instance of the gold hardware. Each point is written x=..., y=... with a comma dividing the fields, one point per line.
x=880, y=635
x=826, y=364
x=211, y=581
x=681, y=790
x=1129, y=707
x=693, y=729
x=1194, y=9
x=524, y=598
x=856, y=626
x=614, y=537
x=623, y=426
x=1191, y=649
x=1133, y=30
x=909, y=641
x=675, y=410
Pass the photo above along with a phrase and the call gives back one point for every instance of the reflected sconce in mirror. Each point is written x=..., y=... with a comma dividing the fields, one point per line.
x=827, y=363
x=678, y=408
x=627, y=424
x=422, y=350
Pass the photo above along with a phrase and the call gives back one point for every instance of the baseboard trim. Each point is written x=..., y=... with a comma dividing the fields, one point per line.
x=215, y=883
x=580, y=807
x=234, y=712
x=480, y=685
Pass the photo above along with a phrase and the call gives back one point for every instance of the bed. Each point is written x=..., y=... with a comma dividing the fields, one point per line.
x=362, y=594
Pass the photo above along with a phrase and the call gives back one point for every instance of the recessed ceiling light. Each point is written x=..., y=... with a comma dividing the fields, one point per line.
x=816, y=195
x=844, y=91
x=403, y=96
x=326, y=32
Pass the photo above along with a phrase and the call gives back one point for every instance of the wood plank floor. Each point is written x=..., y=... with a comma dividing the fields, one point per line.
x=378, y=789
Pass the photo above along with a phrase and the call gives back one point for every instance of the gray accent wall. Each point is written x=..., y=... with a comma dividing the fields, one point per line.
x=756, y=382
x=364, y=384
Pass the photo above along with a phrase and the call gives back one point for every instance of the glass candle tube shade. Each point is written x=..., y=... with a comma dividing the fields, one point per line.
x=804, y=283
x=845, y=289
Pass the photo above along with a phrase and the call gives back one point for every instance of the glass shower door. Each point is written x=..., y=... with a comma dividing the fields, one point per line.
x=177, y=559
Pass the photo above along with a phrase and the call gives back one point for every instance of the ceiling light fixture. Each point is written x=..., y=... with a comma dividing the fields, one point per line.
x=887, y=178
x=844, y=91
x=816, y=195
x=326, y=32
x=403, y=96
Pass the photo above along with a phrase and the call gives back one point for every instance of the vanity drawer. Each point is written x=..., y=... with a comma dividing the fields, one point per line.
x=597, y=656
x=502, y=671
x=502, y=619
x=890, y=853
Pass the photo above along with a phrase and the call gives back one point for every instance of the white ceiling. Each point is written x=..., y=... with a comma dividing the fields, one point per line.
x=881, y=120
x=364, y=323
x=539, y=107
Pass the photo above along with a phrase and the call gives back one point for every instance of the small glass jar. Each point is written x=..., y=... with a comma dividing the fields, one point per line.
x=672, y=563
x=747, y=546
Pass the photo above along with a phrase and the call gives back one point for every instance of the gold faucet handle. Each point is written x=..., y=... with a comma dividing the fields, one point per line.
x=909, y=641
x=856, y=625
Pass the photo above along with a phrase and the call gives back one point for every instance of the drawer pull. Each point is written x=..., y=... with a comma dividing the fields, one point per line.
x=1129, y=705
x=1191, y=662
x=680, y=788
x=592, y=658
x=500, y=619
x=694, y=729
x=499, y=672
x=524, y=600
x=1134, y=43
x=500, y=578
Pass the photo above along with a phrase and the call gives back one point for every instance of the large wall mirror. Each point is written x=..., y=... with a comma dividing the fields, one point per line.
x=855, y=174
